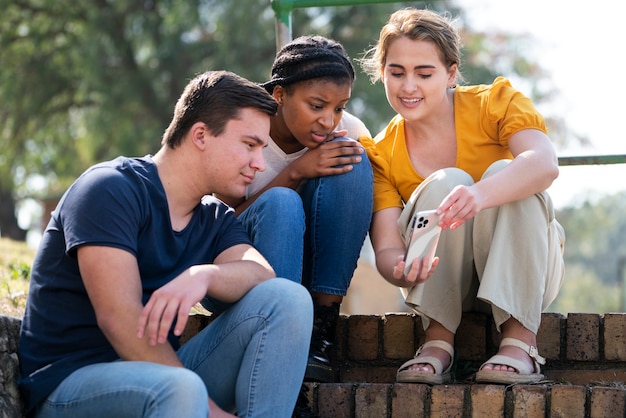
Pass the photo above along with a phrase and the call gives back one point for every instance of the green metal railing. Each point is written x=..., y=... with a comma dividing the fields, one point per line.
x=593, y=159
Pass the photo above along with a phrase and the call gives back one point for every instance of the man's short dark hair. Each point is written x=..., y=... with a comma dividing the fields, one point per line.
x=215, y=98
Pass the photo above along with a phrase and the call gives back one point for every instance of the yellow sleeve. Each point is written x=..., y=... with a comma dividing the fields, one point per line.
x=486, y=117
x=380, y=153
x=511, y=110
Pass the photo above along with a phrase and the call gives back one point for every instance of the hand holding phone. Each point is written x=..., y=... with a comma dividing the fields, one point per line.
x=422, y=238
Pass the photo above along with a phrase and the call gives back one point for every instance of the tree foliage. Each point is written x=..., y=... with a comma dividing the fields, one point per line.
x=595, y=256
x=82, y=82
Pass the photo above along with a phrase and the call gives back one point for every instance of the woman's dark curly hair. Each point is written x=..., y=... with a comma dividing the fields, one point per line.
x=310, y=57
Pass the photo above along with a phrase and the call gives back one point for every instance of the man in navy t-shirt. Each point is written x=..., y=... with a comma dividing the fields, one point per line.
x=132, y=246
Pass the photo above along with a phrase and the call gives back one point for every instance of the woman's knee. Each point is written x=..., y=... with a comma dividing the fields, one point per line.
x=356, y=182
x=278, y=206
x=437, y=186
x=495, y=167
x=452, y=177
x=279, y=199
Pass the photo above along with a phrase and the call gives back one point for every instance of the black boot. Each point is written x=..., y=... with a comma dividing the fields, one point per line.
x=302, y=409
x=318, y=368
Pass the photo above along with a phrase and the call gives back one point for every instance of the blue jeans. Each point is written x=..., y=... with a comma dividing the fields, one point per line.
x=249, y=360
x=314, y=236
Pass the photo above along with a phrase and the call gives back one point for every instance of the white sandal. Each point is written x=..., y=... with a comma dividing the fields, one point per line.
x=439, y=377
x=524, y=373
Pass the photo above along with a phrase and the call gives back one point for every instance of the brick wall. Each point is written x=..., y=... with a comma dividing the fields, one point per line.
x=10, y=403
x=579, y=348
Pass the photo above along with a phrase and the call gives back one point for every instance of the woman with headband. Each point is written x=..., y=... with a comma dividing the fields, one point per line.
x=308, y=209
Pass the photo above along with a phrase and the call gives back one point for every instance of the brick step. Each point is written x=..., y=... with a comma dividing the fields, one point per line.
x=585, y=370
x=405, y=400
x=580, y=349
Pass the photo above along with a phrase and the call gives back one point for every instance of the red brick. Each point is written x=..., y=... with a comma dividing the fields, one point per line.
x=373, y=374
x=420, y=335
x=310, y=393
x=615, y=337
x=567, y=401
x=529, y=401
x=549, y=336
x=408, y=400
x=583, y=337
x=607, y=403
x=487, y=401
x=585, y=377
x=494, y=342
x=398, y=336
x=371, y=400
x=447, y=401
x=471, y=336
x=341, y=336
x=334, y=400
x=363, y=337
x=195, y=324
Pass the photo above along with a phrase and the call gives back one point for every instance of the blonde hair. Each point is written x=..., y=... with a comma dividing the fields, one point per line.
x=417, y=25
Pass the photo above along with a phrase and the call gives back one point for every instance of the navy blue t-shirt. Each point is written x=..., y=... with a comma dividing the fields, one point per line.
x=122, y=204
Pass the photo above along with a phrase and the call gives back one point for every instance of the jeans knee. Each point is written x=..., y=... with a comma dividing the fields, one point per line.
x=278, y=207
x=356, y=183
x=287, y=296
x=179, y=391
x=187, y=384
x=280, y=199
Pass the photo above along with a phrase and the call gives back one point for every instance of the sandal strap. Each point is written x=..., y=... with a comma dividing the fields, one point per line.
x=433, y=361
x=447, y=347
x=532, y=351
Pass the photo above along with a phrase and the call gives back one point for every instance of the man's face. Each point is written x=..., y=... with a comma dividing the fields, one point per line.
x=237, y=153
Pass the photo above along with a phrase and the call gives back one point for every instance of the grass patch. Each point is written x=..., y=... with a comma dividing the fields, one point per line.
x=16, y=259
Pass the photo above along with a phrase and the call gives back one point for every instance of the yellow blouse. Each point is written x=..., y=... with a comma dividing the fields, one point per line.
x=486, y=116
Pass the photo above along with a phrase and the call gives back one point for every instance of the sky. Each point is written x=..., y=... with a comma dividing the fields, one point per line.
x=581, y=45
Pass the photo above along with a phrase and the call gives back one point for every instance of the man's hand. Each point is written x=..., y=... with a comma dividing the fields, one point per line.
x=173, y=300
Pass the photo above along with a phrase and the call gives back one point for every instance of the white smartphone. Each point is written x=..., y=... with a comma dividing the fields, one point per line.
x=423, y=238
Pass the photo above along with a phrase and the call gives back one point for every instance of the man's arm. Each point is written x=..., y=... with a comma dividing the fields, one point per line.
x=235, y=271
x=111, y=277
x=113, y=283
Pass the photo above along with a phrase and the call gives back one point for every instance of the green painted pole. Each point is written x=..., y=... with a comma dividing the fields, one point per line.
x=283, y=9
